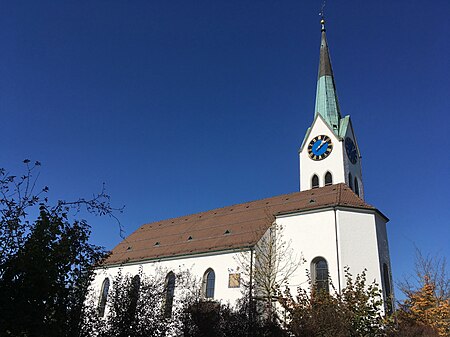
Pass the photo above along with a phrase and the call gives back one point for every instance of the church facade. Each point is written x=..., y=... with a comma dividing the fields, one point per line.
x=328, y=222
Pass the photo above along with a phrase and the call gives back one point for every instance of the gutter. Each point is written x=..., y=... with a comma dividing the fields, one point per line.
x=250, y=303
x=333, y=206
x=173, y=257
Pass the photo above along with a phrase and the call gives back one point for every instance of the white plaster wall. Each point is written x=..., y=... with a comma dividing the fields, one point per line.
x=358, y=246
x=220, y=263
x=311, y=235
x=333, y=163
x=354, y=238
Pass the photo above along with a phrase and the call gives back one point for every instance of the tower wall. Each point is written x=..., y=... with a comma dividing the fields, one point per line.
x=334, y=163
x=354, y=169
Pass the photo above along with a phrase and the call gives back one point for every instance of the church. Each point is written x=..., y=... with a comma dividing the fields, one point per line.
x=327, y=222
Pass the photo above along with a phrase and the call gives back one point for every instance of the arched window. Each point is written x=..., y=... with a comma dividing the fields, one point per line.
x=350, y=182
x=103, y=297
x=135, y=284
x=387, y=288
x=315, y=181
x=170, y=291
x=356, y=187
x=134, y=294
x=328, y=179
x=319, y=275
x=208, y=283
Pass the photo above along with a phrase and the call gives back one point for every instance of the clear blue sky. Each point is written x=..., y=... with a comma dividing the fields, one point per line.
x=185, y=106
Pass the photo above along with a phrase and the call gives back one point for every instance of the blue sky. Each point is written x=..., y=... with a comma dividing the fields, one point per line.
x=185, y=106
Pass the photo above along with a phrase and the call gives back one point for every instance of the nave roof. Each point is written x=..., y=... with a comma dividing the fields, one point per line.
x=234, y=227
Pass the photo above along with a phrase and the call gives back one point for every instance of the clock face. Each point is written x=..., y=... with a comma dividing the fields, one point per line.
x=350, y=148
x=320, y=147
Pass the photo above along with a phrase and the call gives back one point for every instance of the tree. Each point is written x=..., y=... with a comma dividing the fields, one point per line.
x=46, y=264
x=426, y=309
x=137, y=307
x=202, y=318
x=353, y=312
x=267, y=268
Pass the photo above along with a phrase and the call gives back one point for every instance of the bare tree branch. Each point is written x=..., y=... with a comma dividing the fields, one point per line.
x=274, y=263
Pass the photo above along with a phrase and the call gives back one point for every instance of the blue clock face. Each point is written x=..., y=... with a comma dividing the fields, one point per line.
x=350, y=148
x=320, y=147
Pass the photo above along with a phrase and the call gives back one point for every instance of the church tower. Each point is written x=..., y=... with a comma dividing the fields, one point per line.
x=329, y=153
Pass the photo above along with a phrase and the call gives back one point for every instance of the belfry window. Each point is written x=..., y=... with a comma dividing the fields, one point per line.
x=103, y=298
x=209, y=279
x=356, y=187
x=170, y=291
x=315, y=181
x=328, y=179
x=319, y=268
x=350, y=182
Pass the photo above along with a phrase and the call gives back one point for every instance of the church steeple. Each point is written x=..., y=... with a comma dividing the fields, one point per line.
x=329, y=153
x=327, y=104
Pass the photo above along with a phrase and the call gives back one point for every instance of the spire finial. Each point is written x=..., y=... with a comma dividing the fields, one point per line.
x=322, y=15
x=327, y=104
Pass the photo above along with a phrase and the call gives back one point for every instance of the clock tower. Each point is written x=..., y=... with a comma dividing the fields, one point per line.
x=329, y=153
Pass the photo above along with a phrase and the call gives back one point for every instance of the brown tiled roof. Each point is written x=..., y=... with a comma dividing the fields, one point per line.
x=232, y=227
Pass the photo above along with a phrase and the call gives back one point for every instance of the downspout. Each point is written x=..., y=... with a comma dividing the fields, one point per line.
x=250, y=297
x=337, y=250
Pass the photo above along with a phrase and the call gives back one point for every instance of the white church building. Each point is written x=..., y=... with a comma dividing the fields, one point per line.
x=327, y=222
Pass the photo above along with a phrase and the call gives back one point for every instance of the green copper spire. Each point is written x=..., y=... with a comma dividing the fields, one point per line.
x=327, y=104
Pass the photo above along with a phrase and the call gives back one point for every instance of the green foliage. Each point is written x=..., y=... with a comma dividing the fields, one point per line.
x=132, y=313
x=46, y=264
x=136, y=306
x=44, y=282
x=208, y=318
x=204, y=318
x=361, y=304
x=353, y=312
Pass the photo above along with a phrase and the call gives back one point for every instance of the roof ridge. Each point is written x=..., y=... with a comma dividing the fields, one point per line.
x=305, y=194
x=218, y=208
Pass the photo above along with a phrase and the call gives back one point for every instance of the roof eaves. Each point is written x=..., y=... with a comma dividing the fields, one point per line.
x=308, y=131
x=320, y=208
x=367, y=209
x=176, y=256
x=331, y=207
